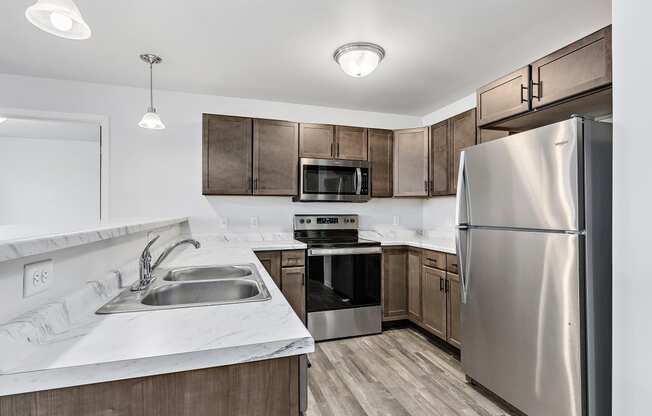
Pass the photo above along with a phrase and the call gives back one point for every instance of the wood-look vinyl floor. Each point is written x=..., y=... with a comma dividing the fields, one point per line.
x=397, y=373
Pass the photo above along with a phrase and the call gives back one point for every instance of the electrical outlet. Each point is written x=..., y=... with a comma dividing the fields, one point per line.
x=37, y=277
x=397, y=220
x=253, y=222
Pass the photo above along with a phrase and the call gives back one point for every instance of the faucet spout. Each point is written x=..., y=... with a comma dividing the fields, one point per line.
x=146, y=266
x=171, y=247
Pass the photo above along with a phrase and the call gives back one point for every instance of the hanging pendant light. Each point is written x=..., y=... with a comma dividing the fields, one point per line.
x=58, y=17
x=359, y=59
x=151, y=120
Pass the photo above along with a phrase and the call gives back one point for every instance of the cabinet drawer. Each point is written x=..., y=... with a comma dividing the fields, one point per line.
x=292, y=258
x=451, y=263
x=434, y=259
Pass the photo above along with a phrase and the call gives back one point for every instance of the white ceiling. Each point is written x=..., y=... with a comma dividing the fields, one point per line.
x=437, y=50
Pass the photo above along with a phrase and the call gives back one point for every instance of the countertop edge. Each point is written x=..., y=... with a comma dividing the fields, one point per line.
x=29, y=246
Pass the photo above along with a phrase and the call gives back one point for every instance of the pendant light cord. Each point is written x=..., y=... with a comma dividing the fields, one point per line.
x=151, y=88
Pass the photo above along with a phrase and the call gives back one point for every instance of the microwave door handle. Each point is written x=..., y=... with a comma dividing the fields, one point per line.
x=358, y=181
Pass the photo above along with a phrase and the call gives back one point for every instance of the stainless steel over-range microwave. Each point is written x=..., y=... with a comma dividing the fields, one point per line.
x=333, y=180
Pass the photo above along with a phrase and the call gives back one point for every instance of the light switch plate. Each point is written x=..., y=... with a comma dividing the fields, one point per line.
x=37, y=277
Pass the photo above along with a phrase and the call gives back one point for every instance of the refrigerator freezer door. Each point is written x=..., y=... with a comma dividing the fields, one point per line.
x=529, y=180
x=521, y=330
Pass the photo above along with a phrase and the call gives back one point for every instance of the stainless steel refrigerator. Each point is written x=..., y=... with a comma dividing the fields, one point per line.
x=534, y=246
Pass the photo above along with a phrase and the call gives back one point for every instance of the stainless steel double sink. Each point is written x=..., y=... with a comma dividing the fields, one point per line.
x=193, y=286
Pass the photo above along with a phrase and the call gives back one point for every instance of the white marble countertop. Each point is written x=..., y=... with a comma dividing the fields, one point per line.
x=444, y=242
x=18, y=241
x=66, y=344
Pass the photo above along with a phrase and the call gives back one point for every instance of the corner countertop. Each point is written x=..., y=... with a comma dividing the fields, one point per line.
x=67, y=344
x=444, y=242
x=18, y=241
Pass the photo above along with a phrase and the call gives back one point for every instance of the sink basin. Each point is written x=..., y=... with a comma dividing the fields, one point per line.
x=207, y=273
x=186, y=287
x=219, y=291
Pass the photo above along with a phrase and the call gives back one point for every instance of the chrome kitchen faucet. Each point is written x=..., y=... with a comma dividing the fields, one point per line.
x=146, y=266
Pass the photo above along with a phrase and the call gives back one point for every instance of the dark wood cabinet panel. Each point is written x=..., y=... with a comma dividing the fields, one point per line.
x=293, y=258
x=316, y=141
x=262, y=388
x=439, y=156
x=276, y=157
x=227, y=154
x=434, y=259
x=414, y=284
x=504, y=97
x=487, y=135
x=451, y=263
x=293, y=280
x=350, y=143
x=434, y=301
x=454, y=333
x=411, y=162
x=579, y=67
x=381, y=160
x=462, y=135
x=394, y=283
x=271, y=261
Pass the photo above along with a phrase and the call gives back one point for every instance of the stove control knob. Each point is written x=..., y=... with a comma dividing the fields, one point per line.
x=301, y=221
x=308, y=221
x=352, y=220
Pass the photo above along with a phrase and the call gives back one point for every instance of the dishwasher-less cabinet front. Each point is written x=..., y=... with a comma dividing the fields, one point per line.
x=287, y=269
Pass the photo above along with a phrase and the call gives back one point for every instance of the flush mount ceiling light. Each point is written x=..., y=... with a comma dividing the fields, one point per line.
x=2, y=119
x=151, y=120
x=359, y=59
x=60, y=18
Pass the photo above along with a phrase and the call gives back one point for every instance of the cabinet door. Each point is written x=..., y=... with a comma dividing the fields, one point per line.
x=414, y=284
x=439, y=155
x=579, y=67
x=462, y=135
x=411, y=162
x=485, y=135
x=276, y=157
x=227, y=150
x=316, y=141
x=381, y=155
x=350, y=143
x=453, y=300
x=433, y=295
x=271, y=261
x=504, y=97
x=394, y=283
x=293, y=287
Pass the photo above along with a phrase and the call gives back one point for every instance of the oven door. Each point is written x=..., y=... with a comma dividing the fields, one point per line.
x=334, y=180
x=342, y=278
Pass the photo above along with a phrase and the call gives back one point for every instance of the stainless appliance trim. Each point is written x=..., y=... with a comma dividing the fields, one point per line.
x=335, y=162
x=343, y=251
x=303, y=222
x=358, y=181
x=342, y=323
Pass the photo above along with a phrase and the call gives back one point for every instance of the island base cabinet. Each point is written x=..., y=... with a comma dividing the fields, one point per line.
x=262, y=388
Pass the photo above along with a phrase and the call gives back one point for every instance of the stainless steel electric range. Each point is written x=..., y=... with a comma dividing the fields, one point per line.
x=343, y=277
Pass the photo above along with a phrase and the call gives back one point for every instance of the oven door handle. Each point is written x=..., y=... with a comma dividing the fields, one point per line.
x=313, y=252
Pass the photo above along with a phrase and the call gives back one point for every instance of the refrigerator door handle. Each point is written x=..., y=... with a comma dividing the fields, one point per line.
x=461, y=202
x=463, y=247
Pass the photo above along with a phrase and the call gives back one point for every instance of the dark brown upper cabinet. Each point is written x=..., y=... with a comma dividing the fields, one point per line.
x=275, y=164
x=411, y=162
x=227, y=155
x=462, y=135
x=505, y=97
x=579, y=67
x=486, y=135
x=381, y=155
x=439, y=156
x=350, y=143
x=316, y=141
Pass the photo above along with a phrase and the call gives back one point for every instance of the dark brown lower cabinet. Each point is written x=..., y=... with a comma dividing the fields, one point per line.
x=262, y=388
x=434, y=300
x=394, y=283
x=414, y=284
x=293, y=286
x=288, y=272
x=453, y=301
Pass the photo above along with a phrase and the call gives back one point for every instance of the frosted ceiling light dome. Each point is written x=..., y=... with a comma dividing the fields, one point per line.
x=151, y=120
x=60, y=18
x=2, y=119
x=359, y=59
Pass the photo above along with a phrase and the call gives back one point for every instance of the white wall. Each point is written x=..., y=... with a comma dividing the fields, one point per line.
x=454, y=108
x=43, y=179
x=158, y=173
x=632, y=238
